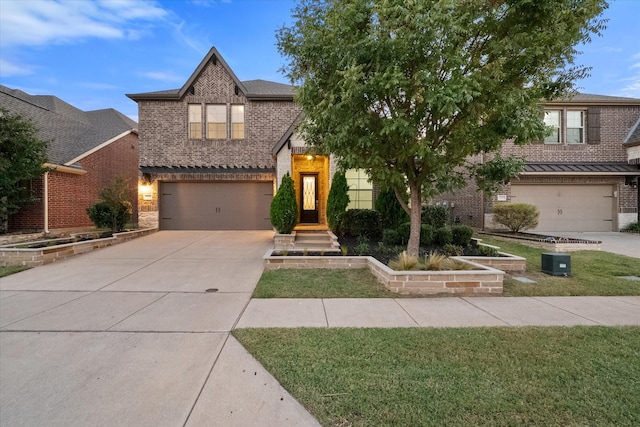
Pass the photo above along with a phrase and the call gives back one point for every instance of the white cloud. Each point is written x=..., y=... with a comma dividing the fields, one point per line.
x=36, y=22
x=164, y=76
x=11, y=69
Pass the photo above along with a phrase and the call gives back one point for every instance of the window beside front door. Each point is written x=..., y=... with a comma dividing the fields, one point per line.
x=360, y=189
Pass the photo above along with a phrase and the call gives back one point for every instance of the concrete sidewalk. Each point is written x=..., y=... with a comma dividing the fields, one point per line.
x=441, y=312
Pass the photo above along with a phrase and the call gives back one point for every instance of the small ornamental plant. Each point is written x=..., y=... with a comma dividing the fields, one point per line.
x=337, y=201
x=284, y=210
x=516, y=216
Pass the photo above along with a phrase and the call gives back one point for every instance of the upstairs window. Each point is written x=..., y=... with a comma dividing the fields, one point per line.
x=217, y=121
x=237, y=121
x=552, y=120
x=575, y=127
x=195, y=121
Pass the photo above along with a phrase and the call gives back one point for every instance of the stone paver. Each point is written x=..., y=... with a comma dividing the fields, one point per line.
x=245, y=383
x=366, y=313
x=27, y=304
x=447, y=312
x=527, y=312
x=94, y=312
x=283, y=313
x=602, y=310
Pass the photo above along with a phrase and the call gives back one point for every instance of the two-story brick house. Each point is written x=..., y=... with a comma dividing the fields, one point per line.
x=213, y=151
x=86, y=151
x=579, y=177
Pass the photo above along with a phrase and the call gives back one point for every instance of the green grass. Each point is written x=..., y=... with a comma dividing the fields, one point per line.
x=5, y=271
x=593, y=273
x=320, y=283
x=463, y=377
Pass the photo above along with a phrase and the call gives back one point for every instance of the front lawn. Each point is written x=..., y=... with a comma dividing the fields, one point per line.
x=593, y=273
x=462, y=377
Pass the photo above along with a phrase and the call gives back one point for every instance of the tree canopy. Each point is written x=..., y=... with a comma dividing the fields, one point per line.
x=409, y=89
x=22, y=155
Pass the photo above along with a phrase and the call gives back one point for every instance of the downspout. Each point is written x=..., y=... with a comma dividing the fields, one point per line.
x=46, y=202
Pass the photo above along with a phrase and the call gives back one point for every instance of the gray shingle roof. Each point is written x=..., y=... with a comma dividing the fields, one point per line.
x=69, y=131
x=264, y=87
x=591, y=99
x=581, y=168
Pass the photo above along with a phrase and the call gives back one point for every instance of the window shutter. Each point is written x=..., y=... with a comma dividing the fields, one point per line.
x=593, y=125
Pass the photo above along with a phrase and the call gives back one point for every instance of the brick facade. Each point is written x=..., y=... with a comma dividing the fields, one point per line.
x=473, y=208
x=70, y=194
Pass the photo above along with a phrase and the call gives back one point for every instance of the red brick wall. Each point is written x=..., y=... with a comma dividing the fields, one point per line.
x=70, y=195
x=30, y=216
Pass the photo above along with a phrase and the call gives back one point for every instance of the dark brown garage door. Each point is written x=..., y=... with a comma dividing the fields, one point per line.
x=215, y=206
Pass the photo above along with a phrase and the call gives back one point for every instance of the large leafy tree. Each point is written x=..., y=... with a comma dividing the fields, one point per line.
x=409, y=89
x=22, y=155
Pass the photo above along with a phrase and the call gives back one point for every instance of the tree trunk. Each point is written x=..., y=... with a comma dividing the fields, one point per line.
x=415, y=195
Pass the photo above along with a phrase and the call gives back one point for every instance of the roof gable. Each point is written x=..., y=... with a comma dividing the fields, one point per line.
x=70, y=132
x=252, y=89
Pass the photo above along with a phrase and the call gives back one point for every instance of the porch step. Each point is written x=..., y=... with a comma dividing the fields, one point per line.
x=315, y=241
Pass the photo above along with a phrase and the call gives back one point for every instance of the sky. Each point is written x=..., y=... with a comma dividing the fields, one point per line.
x=91, y=53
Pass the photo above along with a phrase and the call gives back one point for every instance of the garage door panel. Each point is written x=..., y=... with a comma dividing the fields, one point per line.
x=569, y=207
x=215, y=206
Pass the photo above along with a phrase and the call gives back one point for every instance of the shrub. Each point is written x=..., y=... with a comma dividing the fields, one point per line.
x=634, y=227
x=404, y=262
x=390, y=210
x=404, y=230
x=337, y=201
x=452, y=250
x=435, y=215
x=487, y=251
x=114, y=209
x=442, y=236
x=426, y=234
x=284, y=210
x=391, y=237
x=462, y=235
x=102, y=216
x=435, y=261
x=516, y=216
x=361, y=222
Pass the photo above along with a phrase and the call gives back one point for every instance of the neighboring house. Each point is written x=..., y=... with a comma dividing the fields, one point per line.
x=86, y=150
x=213, y=152
x=584, y=177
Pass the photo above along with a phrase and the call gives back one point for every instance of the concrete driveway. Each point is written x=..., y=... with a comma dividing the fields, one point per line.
x=129, y=335
x=615, y=242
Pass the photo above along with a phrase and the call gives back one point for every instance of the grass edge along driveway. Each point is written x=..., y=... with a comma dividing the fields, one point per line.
x=466, y=377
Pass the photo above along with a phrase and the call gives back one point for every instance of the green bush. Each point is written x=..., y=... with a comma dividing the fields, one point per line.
x=337, y=201
x=435, y=215
x=390, y=210
x=361, y=222
x=634, y=227
x=284, y=209
x=102, y=216
x=442, y=236
x=452, y=250
x=487, y=251
x=391, y=237
x=462, y=235
x=516, y=216
x=426, y=235
x=404, y=230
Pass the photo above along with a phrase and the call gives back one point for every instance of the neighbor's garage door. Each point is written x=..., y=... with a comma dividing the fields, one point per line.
x=569, y=207
x=215, y=206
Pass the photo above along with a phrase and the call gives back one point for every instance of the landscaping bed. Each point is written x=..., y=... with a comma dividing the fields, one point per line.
x=42, y=252
x=549, y=243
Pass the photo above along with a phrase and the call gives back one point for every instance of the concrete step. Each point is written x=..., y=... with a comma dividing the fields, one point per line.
x=315, y=241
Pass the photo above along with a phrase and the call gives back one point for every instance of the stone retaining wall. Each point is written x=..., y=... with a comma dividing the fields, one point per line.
x=483, y=280
x=32, y=257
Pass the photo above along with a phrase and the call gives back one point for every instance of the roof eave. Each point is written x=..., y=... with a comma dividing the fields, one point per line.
x=269, y=97
x=599, y=103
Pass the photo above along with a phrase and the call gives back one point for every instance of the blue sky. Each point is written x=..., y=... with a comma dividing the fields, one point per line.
x=90, y=53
